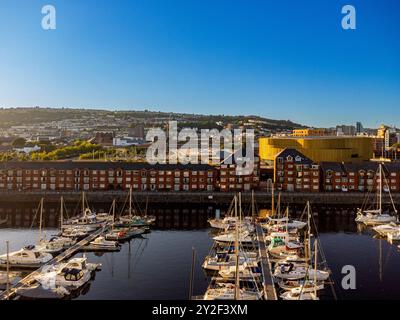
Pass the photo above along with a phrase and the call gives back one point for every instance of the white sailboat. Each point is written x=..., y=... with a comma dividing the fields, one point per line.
x=234, y=291
x=87, y=220
x=307, y=290
x=122, y=233
x=55, y=244
x=134, y=220
x=377, y=216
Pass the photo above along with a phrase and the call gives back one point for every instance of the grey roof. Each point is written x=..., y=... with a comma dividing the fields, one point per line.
x=98, y=165
x=333, y=166
x=357, y=166
x=294, y=153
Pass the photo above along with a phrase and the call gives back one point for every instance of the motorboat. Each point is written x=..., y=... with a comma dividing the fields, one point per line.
x=70, y=275
x=27, y=257
x=100, y=243
x=122, y=234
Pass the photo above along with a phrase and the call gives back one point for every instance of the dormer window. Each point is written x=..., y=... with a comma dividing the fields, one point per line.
x=289, y=158
x=298, y=159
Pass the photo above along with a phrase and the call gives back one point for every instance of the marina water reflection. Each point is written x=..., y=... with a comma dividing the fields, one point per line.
x=157, y=265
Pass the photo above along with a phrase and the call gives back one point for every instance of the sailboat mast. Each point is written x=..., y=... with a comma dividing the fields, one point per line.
x=8, y=269
x=309, y=228
x=62, y=211
x=192, y=274
x=130, y=201
x=315, y=265
x=252, y=204
x=41, y=218
x=287, y=219
x=273, y=201
x=83, y=202
x=380, y=188
x=237, y=292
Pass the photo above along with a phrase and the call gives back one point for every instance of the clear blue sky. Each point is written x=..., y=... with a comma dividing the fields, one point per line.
x=282, y=59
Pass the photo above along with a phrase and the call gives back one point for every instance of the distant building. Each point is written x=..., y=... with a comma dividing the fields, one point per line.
x=359, y=128
x=308, y=132
x=384, y=141
x=346, y=130
x=104, y=138
x=137, y=132
x=28, y=150
x=127, y=142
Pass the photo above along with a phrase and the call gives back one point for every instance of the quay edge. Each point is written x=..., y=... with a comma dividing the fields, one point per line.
x=201, y=198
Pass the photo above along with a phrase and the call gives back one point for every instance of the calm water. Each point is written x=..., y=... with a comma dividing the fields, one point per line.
x=158, y=266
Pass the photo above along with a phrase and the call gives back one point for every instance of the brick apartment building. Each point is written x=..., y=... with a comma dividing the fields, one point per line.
x=295, y=172
x=92, y=176
x=230, y=180
x=361, y=177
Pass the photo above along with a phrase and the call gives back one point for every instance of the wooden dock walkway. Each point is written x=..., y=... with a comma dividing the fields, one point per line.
x=268, y=280
x=29, y=279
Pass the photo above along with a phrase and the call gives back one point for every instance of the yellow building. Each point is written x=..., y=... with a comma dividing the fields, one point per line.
x=308, y=132
x=382, y=131
x=318, y=149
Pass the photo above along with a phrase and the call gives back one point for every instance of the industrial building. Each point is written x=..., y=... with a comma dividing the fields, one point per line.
x=319, y=148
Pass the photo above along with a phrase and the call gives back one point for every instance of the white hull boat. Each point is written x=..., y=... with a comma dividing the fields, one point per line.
x=218, y=264
x=380, y=220
x=227, y=292
x=385, y=229
x=288, y=295
x=28, y=257
x=300, y=273
x=100, y=243
x=230, y=237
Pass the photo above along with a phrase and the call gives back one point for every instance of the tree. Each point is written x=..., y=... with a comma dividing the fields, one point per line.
x=18, y=143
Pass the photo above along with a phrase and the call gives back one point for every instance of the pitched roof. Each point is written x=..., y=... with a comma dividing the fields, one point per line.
x=98, y=165
x=294, y=154
x=333, y=166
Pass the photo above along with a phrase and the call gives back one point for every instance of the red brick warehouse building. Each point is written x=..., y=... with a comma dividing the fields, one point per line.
x=295, y=172
x=103, y=176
